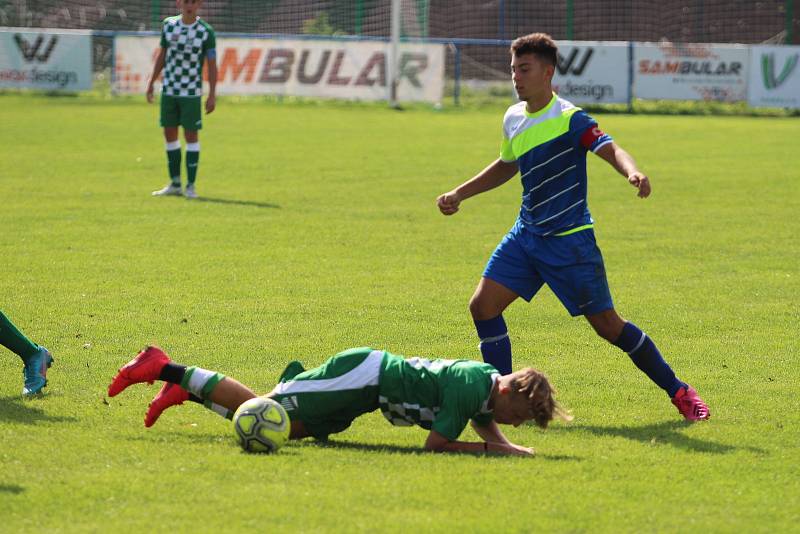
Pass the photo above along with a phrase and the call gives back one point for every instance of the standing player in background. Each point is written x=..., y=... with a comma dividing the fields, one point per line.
x=545, y=139
x=186, y=41
x=35, y=358
x=441, y=396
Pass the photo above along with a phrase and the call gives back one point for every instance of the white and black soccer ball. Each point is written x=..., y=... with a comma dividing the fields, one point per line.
x=262, y=425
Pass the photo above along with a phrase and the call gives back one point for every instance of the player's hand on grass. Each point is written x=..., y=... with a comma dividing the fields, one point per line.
x=519, y=450
x=448, y=202
x=641, y=182
x=211, y=103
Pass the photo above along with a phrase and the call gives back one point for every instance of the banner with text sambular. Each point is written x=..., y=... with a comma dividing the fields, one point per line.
x=687, y=71
x=298, y=67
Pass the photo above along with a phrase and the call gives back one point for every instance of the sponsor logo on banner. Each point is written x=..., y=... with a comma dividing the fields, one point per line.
x=571, y=64
x=49, y=60
x=31, y=51
x=592, y=72
x=774, y=76
x=686, y=71
x=351, y=70
x=768, y=70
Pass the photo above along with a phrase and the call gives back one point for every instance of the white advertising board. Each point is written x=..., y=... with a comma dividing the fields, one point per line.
x=591, y=72
x=686, y=71
x=774, y=77
x=313, y=68
x=51, y=60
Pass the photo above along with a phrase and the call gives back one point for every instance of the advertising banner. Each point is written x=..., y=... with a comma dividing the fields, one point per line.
x=51, y=60
x=685, y=71
x=313, y=68
x=774, y=77
x=591, y=72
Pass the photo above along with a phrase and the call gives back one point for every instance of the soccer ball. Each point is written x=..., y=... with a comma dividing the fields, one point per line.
x=262, y=425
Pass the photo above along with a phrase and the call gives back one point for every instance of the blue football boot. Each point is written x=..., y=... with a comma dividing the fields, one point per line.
x=35, y=371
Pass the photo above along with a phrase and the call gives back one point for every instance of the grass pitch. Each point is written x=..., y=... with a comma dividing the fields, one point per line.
x=318, y=231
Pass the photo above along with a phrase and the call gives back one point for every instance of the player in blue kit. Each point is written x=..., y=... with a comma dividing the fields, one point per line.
x=545, y=139
x=441, y=396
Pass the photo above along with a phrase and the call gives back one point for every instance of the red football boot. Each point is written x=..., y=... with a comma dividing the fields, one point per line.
x=170, y=395
x=691, y=406
x=145, y=367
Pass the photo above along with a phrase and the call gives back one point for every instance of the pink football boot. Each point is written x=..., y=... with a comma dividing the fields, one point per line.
x=145, y=367
x=170, y=395
x=690, y=404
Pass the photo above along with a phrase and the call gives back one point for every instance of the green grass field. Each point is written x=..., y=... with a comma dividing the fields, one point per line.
x=318, y=231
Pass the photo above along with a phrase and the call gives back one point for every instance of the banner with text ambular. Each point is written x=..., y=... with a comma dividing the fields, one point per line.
x=592, y=72
x=774, y=77
x=687, y=71
x=50, y=60
x=312, y=68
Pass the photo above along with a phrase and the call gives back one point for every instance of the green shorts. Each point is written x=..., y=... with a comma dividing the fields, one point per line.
x=181, y=111
x=328, y=398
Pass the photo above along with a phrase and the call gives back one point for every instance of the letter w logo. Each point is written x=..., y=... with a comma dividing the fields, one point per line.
x=31, y=52
x=768, y=70
x=569, y=65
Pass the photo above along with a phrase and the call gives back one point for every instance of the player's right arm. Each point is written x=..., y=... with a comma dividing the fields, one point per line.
x=439, y=443
x=496, y=174
x=157, y=67
x=491, y=433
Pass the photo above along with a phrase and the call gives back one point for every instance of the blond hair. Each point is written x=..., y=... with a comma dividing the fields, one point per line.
x=541, y=396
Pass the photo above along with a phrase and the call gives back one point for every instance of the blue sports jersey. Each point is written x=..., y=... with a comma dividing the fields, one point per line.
x=550, y=148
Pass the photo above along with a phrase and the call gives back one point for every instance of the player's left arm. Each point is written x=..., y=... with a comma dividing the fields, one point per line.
x=210, y=49
x=624, y=164
x=211, y=99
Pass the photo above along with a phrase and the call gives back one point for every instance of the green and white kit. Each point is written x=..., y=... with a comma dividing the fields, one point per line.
x=187, y=46
x=440, y=395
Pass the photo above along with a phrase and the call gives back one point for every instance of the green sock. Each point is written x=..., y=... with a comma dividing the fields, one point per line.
x=200, y=382
x=192, y=161
x=14, y=340
x=174, y=162
x=219, y=409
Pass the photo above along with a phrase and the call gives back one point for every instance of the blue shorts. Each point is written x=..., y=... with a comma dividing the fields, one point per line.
x=571, y=265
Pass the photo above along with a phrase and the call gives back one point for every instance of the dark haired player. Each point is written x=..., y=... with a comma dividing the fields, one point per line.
x=545, y=139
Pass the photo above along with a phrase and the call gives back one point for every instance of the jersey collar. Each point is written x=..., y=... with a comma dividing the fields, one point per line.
x=485, y=406
x=541, y=111
x=180, y=21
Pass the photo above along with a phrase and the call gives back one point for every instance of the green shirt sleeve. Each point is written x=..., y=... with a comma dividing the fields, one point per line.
x=506, y=154
x=453, y=416
x=163, y=43
x=483, y=419
x=462, y=399
x=210, y=42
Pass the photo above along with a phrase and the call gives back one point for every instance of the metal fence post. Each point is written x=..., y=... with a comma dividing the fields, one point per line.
x=457, y=75
x=570, y=19
x=630, y=76
x=501, y=19
x=359, y=16
x=155, y=13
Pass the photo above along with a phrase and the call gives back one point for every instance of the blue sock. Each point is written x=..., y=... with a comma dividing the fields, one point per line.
x=495, y=344
x=645, y=355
